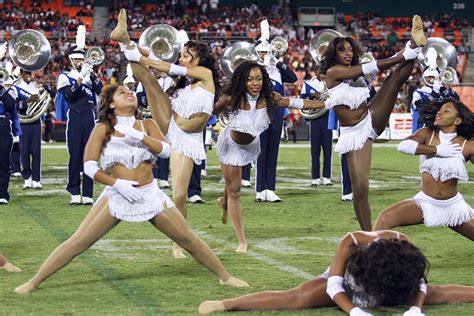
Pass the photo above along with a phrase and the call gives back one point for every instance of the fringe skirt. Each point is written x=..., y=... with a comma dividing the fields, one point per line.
x=187, y=144
x=451, y=212
x=232, y=154
x=354, y=137
x=153, y=203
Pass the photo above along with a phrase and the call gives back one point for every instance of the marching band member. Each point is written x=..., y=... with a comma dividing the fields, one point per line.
x=184, y=117
x=248, y=100
x=362, y=122
x=30, y=141
x=129, y=147
x=15, y=157
x=79, y=89
x=129, y=81
x=445, y=147
x=270, y=139
x=320, y=137
x=9, y=127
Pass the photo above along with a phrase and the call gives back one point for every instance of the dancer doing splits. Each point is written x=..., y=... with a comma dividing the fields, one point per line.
x=360, y=122
x=369, y=269
x=184, y=119
x=445, y=147
x=248, y=100
x=129, y=147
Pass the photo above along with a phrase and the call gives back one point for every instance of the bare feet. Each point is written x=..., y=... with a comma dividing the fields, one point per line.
x=234, y=282
x=10, y=267
x=418, y=37
x=120, y=33
x=242, y=248
x=208, y=307
x=178, y=252
x=25, y=288
x=220, y=202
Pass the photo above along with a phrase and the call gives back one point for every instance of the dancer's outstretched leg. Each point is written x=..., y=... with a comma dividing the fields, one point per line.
x=158, y=101
x=172, y=224
x=96, y=224
x=310, y=294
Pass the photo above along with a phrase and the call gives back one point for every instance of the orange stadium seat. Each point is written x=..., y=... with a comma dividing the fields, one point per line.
x=467, y=95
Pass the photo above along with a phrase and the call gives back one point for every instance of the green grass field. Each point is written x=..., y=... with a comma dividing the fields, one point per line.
x=131, y=271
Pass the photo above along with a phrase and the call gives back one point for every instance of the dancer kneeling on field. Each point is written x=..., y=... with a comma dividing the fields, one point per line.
x=445, y=147
x=248, y=101
x=129, y=147
x=369, y=269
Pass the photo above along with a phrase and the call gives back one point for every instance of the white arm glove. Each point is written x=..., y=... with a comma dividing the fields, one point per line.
x=132, y=54
x=129, y=131
x=410, y=53
x=127, y=190
x=356, y=311
x=86, y=70
x=270, y=61
x=437, y=84
x=408, y=146
x=414, y=311
x=448, y=150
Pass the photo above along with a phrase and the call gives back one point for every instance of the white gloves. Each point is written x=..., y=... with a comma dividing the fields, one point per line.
x=356, y=311
x=86, y=70
x=410, y=53
x=129, y=131
x=3, y=49
x=270, y=61
x=132, y=54
x=414, y=311
x=437, y=84
x=127, y=190
x=448, y=150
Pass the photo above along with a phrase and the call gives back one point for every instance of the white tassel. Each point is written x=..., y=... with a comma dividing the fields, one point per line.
x=183, y=37
x=81, y=37
x=264, y=30
x=432, y=55
x=129, y=71
x=9, y=67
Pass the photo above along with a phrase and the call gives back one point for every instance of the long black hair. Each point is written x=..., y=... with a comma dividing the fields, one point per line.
x=389, y=270
x=206, y=59
x=329, y=58
x=237, y=88
x=428, y=113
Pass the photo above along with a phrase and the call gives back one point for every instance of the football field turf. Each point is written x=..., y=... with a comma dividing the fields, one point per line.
x=131, y=270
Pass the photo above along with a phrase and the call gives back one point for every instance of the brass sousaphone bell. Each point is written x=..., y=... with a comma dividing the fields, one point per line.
x=30, y=50
x=163, y=41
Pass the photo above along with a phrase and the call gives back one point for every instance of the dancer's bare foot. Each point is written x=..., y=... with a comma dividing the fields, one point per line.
x=10, y=267
x=26, y=288
x=418, y=37
x=220, y=202
x=234, y=282
x=242, y=248
x=120, y=33
x=178, y=252
x=208, y=307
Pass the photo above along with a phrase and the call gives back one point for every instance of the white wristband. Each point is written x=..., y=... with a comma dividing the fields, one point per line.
x=370, y=68
x=334, y=286
x=165, y=151
x=296, y=104
x=408, y=146
x=176, y=70
x=423, y=286
x=90, y=168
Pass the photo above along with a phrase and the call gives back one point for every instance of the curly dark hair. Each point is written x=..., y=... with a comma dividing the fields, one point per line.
x=329, y=58
x=428, y=113
x=206, y=59
x=389, y=270
x=237, y=87
x=107, y=114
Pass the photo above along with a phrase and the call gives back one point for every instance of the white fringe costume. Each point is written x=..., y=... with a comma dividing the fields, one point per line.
x=453, y=211
x=130, y=153
x=354, y=94
x=187, y=102
x=252, y=122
